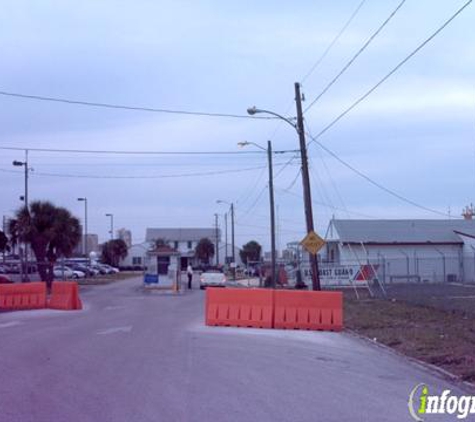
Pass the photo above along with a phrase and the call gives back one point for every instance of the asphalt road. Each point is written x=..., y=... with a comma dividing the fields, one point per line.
x=132, y=356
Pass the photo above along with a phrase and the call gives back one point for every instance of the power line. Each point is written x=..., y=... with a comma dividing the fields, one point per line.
x=373, y=182
x=323, y=203
x=129, y=108
x=162, y=176
x=394, y=70
x=347, y=65
x=327, y=50
x=118, y=152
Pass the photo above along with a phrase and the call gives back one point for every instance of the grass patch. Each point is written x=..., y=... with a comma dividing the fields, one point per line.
x=442, y=337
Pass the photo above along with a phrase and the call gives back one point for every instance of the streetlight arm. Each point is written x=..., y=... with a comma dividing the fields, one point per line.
x=253, y=110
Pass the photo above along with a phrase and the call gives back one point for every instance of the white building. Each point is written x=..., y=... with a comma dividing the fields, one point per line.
x=404, y=250
x=126, y=236
x=183, y=240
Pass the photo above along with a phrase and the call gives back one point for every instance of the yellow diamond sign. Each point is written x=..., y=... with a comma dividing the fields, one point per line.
x=312, y=242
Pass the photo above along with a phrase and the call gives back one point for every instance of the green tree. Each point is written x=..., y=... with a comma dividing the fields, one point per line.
x=113, y=251
x=50, y=231
x=251, y=251
x=4, y=247
x=204, y=250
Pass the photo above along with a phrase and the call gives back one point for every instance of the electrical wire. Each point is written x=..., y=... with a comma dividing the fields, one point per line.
x=334, y=41
x=162, y=176
x=118, y=152
x=394, y=70
x=130, y=108
x=374, y=183
x=347, y=65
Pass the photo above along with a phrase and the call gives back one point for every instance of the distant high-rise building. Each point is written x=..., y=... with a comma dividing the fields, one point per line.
x=126, y=236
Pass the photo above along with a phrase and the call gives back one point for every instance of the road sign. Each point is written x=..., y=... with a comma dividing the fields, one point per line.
x=312, y=243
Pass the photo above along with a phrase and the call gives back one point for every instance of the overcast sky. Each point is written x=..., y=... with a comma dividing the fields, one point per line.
x=415, y=135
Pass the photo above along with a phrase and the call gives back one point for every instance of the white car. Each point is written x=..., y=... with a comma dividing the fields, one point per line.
x=67, y=272
x=212, y=278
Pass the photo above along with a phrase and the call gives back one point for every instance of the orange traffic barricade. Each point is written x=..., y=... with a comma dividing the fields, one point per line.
x=239, y=307
x=23, y=296
x=308, y=310
x=65, y=296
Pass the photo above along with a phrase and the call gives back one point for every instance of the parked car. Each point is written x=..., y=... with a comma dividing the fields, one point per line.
x=67, y=272
x=110, y=268
x=89, y=272
x=212, y=278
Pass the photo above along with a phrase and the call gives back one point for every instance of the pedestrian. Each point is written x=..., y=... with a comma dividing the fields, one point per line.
x=189, y=273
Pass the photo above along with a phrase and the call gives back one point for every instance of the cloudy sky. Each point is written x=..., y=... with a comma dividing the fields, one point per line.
x=413, y=136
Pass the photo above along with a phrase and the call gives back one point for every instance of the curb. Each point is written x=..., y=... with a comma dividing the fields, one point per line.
x=465, y=385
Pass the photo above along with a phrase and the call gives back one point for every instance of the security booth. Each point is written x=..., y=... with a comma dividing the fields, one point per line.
x=163, y=268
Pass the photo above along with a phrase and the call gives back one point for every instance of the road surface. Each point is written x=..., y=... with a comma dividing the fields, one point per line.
x=132, y=357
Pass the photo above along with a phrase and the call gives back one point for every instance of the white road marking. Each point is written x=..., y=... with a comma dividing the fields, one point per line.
x=10, y=324
x=126, y=329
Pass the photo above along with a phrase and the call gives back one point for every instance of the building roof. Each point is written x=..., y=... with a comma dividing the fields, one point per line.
x=402, y=231
x=181, y=235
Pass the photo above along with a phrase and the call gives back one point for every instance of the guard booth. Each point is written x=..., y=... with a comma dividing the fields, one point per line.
x=163, y=268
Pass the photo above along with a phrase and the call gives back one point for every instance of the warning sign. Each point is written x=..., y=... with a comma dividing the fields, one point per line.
x=312, y=243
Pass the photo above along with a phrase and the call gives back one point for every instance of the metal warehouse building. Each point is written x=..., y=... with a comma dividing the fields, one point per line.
x=404, y=250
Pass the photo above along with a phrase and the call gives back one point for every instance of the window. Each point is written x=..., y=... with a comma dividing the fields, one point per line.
x=175, y=244
x=137, y=260
x=190, y=244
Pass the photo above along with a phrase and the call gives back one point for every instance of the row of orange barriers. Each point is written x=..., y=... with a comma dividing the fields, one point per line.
x=285, y=309
x=64, y=295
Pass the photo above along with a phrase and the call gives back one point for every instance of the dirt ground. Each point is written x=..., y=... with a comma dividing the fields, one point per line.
x=433, y=323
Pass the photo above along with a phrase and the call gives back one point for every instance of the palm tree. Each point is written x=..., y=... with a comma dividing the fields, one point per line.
x=113, y=251
x=204, y=250
x=50, y=231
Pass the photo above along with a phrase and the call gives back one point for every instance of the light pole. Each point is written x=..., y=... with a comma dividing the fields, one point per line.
x=271, y=201
x=27, y=208
x=217, y=238
x=231, y=204
x=112, y=225
x=305, y=176
x=225, y=238
x=85, y=244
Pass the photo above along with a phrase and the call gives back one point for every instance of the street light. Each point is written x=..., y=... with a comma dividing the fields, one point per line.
x=219, y=201
x=271, y=201
x=85, y=245
x=305, y=176
x=24, y=164
x=112, y=225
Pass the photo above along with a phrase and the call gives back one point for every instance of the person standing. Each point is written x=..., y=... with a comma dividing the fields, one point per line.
x=189, y=273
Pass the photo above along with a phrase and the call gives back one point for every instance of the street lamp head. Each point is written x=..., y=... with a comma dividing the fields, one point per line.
x=108, y=215
x=18, y=163
x=81, y=199
x=252, y=110
x=242, y=144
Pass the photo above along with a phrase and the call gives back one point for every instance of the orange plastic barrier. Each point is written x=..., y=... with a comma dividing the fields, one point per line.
x=65, y=296
x=308, y=310
x=239, y=307
x=23, y=296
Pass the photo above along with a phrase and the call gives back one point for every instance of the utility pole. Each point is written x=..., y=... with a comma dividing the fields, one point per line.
x=272, y=215
x=217, y=238
x=226, y=237
x=306, y=185
x=232, y=241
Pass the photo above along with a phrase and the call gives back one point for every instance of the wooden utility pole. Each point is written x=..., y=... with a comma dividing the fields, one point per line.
x=306, y=185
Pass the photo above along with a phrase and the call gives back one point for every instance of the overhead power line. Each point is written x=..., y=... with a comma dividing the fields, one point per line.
x=334, y=41
x=118, y=152
x=373, y=182
x=129, y=108
x=394, y=70
x=347, y=65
